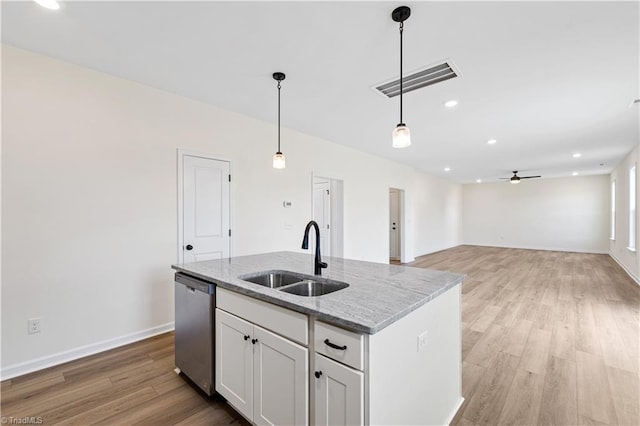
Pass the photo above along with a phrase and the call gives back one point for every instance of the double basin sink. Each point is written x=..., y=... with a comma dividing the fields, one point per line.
x=294, y=283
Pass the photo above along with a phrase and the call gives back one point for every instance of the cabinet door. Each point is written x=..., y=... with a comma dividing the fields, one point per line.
x=281, y=381
x=234, y=361
x=339, y=393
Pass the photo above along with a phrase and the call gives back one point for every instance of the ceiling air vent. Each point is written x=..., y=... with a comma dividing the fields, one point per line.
x=416, y=80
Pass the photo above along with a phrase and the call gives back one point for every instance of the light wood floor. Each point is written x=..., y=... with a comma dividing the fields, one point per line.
x=131, y=385
x=549, y=338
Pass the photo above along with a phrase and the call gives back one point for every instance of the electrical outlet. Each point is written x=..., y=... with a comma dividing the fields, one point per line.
x=422, y=341
x=34, y=325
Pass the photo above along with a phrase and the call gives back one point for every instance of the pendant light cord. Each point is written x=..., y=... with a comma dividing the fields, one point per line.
x=278, y=116
x=401, y=28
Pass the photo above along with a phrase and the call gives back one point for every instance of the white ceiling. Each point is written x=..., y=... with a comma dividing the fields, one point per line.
x=546, y=79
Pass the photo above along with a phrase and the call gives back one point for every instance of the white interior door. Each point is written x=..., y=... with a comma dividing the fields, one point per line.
x=394, y=224
x=205, y=211
x=322, y=214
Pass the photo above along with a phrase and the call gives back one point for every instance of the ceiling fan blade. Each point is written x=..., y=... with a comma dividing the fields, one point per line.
x=529, y=177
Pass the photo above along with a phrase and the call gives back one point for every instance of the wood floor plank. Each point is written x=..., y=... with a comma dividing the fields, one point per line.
x=563, y=341
x=586, y=332
x=594, y=399
x=110, y=408
x=487, y=347
x=613, y=350
x=527, y=387
x=625, y=390
x=517, y=337
x=485, y=319
x=536, y=352
x=489, y=397
x=469, y=340
x=559, y=404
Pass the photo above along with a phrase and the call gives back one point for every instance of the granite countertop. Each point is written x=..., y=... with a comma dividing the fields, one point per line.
x=377, y=296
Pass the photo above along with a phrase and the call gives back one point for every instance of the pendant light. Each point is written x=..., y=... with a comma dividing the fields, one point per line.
x=278, y=158
x=401, y=135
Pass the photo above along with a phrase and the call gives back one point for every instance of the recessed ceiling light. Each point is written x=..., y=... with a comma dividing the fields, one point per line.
x=478, y=180
x=491, y=141
x=575, y=173
x=49, y=4
x=451, y=103
x=577, y=155
x=446, y=169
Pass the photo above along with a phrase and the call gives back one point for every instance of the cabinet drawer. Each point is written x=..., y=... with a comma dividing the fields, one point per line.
x=283, y=321
x=326, y=335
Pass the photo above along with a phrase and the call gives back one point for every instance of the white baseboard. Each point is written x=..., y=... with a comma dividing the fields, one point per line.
x=570, y=250
x=22, y=368
x=455, y=411
x=633, y=276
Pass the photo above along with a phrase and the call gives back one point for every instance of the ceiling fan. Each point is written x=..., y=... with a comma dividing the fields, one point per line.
x=516, y=179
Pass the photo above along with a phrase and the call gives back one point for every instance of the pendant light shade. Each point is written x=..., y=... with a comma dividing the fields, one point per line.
x=401, y=136
x=279, y=161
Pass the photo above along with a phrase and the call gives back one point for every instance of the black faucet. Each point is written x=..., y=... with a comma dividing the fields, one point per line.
x=319, y=264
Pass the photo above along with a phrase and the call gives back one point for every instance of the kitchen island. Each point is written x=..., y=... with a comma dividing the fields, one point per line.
x=384, y=350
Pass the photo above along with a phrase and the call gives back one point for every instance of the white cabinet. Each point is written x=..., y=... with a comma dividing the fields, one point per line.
x=234, y=361
x=280, y=380
x=386, y=378
x=263, y=375
x=339, y=393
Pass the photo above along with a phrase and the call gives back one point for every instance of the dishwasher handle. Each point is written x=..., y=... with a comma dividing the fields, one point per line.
x=193, y=283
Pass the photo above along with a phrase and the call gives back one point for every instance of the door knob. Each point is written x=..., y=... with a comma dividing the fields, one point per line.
x=189, y=247
x=317, y=374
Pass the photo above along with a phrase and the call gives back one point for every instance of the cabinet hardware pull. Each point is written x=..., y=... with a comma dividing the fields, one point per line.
x=334, y=346
x=189, y=247
x=317, y=374
x=246, y=337
x=254, y=341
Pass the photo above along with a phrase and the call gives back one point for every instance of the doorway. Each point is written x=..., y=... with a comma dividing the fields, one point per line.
x=204, y=192
x=327, y=211
x=396, y=199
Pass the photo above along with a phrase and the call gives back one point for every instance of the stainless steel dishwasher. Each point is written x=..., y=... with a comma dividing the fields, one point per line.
x=194, y=330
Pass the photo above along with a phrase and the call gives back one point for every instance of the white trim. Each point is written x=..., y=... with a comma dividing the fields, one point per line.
x=181, y=152
x=570, y=250
x=332, y=179
x=631, y=274
x=631, y=249
x=455, y=410
x=22, y=368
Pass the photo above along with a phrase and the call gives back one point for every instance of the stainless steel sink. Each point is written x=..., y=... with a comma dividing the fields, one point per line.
x=312, y=288
x=273, y=279
x=294, y=283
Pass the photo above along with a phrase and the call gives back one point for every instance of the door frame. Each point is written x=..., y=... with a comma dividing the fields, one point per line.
x=327, y=238
x=339, y=204
x=181, y=153
x=401, y=221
